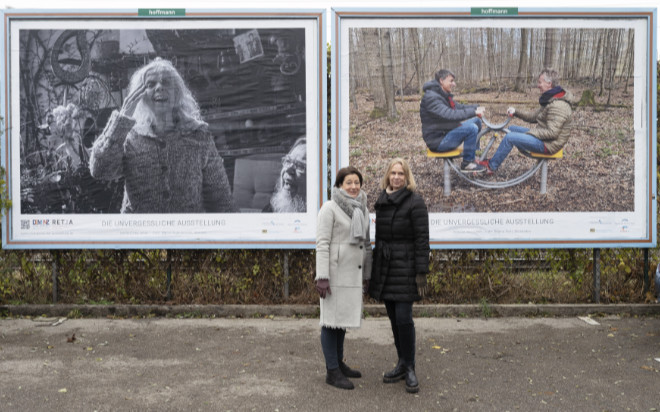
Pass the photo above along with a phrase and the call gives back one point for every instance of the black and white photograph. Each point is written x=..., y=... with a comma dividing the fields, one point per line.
x=215, y=118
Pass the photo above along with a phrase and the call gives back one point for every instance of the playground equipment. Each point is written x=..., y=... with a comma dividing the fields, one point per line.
x=542, y=161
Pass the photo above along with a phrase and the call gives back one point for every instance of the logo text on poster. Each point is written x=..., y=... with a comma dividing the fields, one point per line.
x=494, y=11
x=161, y=12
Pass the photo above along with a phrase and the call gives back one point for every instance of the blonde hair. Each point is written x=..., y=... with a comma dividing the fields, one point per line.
x=410, y=180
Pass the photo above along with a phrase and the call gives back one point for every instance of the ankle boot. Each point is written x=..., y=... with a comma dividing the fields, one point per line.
x=412, y=385
x=337, y=379
x=395, y=374
x=348, y=372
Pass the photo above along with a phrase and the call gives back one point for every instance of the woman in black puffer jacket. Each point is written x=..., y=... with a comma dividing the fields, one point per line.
x=400, y=263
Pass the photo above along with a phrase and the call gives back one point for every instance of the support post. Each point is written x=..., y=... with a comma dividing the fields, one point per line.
x=56, y=257
x=544, y=176
x=647, y=281
x=596, y=296
x=169, y=275
x=285, y=272
x=447, y=176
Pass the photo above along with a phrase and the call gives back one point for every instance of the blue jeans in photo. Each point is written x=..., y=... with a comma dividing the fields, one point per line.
x=516, y=137
x=466, y=133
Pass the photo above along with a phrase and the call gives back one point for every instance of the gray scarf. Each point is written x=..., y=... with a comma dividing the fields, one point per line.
x=353, y=208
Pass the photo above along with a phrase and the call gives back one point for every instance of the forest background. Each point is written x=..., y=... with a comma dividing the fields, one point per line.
x=457, y=276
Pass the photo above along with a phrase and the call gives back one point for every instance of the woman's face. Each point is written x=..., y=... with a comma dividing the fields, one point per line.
x=397, y=177
x=161, y=92
x=351, y=185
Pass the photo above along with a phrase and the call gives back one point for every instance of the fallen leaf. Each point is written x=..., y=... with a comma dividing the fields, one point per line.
x=63, y=390
x=71, y=339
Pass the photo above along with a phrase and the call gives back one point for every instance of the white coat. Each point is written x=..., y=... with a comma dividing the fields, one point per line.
x=346, y=265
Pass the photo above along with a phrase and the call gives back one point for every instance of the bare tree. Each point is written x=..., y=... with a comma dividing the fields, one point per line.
x=387, y=72
x=417, y=60
x=549, y=56
x=522, y=62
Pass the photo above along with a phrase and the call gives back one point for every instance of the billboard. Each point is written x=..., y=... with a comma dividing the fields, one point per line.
x=163, y=128
x=595, y=189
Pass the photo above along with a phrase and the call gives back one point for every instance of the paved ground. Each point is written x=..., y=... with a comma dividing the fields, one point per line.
x=275, y=364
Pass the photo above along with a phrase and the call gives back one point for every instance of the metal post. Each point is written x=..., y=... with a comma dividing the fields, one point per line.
x=285, y=271
x=646, y=270
x=56, y=257
x=169, y=275
x=596, y=276
x=447, y=176
x=544, y=176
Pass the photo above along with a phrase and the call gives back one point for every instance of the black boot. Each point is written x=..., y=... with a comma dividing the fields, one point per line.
x=407, y=342
x=337, y=379
x=395, y=374
x=348, y=372
x=412, y=385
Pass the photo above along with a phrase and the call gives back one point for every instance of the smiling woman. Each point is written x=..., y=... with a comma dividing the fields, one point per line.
x=161, y=147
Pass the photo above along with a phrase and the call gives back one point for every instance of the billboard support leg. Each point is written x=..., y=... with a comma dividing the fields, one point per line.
x=646, y=270
x=169, y=275
x=285, y=271
x=596, y=295
x=56, y=257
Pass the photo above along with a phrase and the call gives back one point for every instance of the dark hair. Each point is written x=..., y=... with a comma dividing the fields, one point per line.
x=345, y=171
x=443, y=74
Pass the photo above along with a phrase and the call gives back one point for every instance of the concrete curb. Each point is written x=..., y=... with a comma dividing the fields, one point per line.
x=257, y=311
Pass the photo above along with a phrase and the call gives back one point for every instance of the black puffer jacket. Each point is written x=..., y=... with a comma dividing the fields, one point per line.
x=437, y=115
x=402, y=246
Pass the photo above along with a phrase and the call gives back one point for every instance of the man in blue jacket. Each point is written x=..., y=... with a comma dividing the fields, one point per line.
x=446, y=124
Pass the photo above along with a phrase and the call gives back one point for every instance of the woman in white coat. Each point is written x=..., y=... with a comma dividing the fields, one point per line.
x=343, y=270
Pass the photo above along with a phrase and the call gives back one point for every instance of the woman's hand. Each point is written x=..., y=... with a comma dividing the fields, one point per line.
x=131, y=101
x=421, y=284
x=323, y=287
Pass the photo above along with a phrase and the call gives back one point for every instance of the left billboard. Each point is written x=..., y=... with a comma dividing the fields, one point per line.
x=163, y=128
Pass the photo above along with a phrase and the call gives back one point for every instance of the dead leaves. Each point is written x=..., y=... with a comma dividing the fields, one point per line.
x=596, y=173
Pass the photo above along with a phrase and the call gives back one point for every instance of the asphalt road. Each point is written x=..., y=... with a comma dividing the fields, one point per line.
x=276, y=364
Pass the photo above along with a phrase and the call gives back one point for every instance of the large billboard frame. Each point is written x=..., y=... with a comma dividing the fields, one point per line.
x=459, y=228
x=263, y=45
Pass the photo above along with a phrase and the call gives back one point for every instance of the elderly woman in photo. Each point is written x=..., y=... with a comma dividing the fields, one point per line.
x=343, y=269
x=162, y=148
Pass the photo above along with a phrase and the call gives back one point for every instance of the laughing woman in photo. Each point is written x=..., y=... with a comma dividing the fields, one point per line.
x=343, y=269
x=161, y=147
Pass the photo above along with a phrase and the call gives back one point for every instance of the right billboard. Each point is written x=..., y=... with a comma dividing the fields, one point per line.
x=524, y=128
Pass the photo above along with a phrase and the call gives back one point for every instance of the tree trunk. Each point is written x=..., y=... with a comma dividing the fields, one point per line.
x=491, y=55
x=375, y=67
x=522, y=63
x=418, y=63
x=548, y=58
x=387, y=72
x=630, y=56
